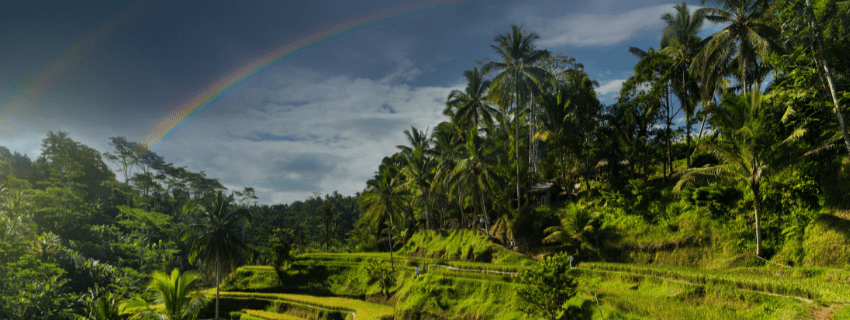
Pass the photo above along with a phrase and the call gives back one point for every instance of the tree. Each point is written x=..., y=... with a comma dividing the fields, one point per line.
x=127, y=155
x=476, y=171
x=384, y=200
x=548, y=285
x=828, y=74
x=327, y=217
x=745, y=37
x=177, y=297
x=750, y=153
x=517, y=78
x=680, y=42
x=216, y=243
x=578, y=223
x=470, y=107
x=555, y=130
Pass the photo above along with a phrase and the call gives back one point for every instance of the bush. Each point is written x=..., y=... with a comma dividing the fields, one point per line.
x=548, y=287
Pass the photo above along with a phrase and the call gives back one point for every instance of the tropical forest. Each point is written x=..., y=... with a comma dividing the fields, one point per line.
x=716, y=186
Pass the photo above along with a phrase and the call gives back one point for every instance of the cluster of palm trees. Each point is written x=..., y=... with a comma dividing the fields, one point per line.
x=465, y=169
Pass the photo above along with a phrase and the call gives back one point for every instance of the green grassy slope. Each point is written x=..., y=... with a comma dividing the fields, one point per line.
x=624, y=291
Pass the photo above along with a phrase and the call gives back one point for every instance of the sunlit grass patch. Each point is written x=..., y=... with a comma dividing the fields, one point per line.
x=266, y=315
x=808, y=288
x=363, y=309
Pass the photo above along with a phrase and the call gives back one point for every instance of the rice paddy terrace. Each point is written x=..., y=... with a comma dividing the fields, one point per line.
x=464, y=276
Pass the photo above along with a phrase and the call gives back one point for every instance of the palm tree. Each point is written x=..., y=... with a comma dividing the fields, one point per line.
x=555, y=118
x=326, y=217
x=577, y=225
x=384, y=200
x=751, y=152
x=518, y=77
x=45, y=246
x=420, y=173
x=476, y=172
x=679, y=40
x=654, y=69
x=216, y=244
x=446, y=141
x=745, y=37
x=177, y=298
x=419, y=167
x=828, y=74
x=471, y=105
x=100, y=306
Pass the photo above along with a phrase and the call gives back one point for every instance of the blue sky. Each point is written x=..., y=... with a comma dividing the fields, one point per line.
x=320, y=119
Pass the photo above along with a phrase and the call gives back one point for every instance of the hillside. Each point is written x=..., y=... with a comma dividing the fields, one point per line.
x=453, y=287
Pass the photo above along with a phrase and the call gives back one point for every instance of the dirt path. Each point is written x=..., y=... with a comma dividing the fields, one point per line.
x=823, y=313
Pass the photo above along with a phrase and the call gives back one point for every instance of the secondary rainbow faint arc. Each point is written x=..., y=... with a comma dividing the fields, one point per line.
x=25, y=96
x=176, y=119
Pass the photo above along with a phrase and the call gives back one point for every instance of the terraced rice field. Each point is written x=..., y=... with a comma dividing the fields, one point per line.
x=361, y=309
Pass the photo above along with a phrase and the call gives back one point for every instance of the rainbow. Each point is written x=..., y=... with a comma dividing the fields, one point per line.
x=180, y=116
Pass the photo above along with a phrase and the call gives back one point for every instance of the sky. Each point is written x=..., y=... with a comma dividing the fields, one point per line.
x=288, y=97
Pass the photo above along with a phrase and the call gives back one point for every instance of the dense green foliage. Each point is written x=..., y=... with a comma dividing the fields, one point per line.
x=527, y=164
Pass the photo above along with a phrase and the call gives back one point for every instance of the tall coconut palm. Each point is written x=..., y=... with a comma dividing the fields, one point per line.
x=828, y=74
x=215, y=239
x=419, y=167
x=471, y=105
x=476, y=173
x=518, y=77
x=384, y=200
x=177, y=297
x=555, y=118
x=447, y=141
x=327, y=217
x=751, y=151
x=679, y=40
x=745, y=37
x=654, y=68
x=420, y=173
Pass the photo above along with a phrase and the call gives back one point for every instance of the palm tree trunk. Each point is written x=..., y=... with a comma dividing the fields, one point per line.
x=757, y=207
x=484, y=210
x=390, y=239
x=842, y=126
x=688, y=138
x=516, y=141
x=217, y=283
x=669, y=164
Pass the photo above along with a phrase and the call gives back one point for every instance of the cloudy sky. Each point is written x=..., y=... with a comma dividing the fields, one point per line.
x=321, y=118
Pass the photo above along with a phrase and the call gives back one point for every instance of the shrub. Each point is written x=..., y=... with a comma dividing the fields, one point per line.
x=548, y=286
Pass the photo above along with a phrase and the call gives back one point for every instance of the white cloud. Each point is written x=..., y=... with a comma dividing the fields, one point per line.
x=610, y=87
x=597, y=29
x=288, y=136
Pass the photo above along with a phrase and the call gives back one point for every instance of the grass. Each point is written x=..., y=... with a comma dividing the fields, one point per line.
x=653, y=299
x=809, y=288
x=363, y=309
x=460, y=244
x=625, y=291
x=265, y=315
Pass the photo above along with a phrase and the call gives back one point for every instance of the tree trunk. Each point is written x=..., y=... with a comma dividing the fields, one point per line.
x=516, y=123
x=217, y=283
x=669, y=164
x=688, y=138
x=390, y=240
x=842, y=126
x=427, y=216
x=484, y=210
x=757, y=207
